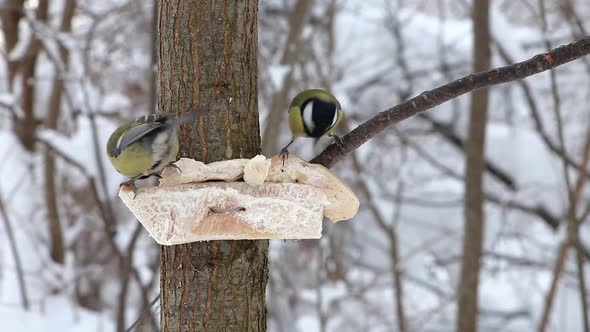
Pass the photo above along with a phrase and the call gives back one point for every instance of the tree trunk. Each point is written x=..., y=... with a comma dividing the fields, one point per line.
x=208, y=64
x=474, y=170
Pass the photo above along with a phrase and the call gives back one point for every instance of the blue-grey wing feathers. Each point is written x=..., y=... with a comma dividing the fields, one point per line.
x=137, y=132
x=148, y=124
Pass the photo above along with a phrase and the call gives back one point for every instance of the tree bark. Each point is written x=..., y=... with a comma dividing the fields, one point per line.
x=474, y=170
x=207, y=60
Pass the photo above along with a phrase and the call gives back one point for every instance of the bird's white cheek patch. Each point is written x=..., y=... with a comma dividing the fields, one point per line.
x=335, y=118
x=308, y=116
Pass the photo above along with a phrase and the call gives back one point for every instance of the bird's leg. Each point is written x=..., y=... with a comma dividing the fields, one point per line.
x=285, y=151
x=337, y=140
x=130, y=182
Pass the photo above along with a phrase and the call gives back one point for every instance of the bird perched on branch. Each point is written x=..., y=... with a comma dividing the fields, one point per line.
x=144, y=147
x=313, y=113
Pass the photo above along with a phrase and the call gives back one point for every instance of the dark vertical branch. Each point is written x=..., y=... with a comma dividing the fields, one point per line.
x=582, y=285
x=550, y=296
x=396, y=271
x=126, y=266
x=25, y=127
x=11, y=12
x=467, y=311
x=51, y=122
x=573, y=229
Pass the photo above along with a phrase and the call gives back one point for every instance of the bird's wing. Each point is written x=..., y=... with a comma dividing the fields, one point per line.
x=136, y=132
x=147, y=124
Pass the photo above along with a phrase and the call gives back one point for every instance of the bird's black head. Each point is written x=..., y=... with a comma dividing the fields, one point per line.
x=319, y=116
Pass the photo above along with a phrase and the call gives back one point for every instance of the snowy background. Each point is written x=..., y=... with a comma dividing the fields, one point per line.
x=58, y=195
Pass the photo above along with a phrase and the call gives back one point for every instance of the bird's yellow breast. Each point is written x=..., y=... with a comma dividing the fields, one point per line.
x=296, y=123
x=133, y=161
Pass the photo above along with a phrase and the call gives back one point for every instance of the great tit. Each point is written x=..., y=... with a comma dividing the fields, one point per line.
x=313, y=113
x=144, y=147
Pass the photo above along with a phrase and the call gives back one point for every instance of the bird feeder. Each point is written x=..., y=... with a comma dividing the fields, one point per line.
x=197, y=201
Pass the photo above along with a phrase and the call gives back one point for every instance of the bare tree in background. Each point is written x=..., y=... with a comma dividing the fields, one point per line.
x=39, y=46
x=467, y=311
x=25, y=68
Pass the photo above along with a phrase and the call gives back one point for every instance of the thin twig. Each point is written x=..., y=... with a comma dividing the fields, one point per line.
x=145, y=310
x=452, y=137
x=101, y=208
x=126, y=266
x=17, y=262
x=540, y=211
x=574, y=196
x=549, y=298
x=535, y=113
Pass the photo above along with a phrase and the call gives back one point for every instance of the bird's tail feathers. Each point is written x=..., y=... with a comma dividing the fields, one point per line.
x=190, y=116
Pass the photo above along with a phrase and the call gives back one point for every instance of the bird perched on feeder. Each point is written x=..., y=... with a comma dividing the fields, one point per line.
x=313, y=113
x=144, y=147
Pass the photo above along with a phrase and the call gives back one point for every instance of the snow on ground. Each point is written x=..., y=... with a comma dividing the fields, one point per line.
x=56, y=314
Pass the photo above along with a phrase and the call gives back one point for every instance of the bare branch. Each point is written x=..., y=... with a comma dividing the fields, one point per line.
x=550, y=297
x=574, y=195
x=540, y=211
x=429, y=99
x=459, y=143
x=143, y=313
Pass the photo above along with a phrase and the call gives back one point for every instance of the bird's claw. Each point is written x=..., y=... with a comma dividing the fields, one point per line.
x=284, y=154
x=338, y=141
x=132, y=184
x=175, y=166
